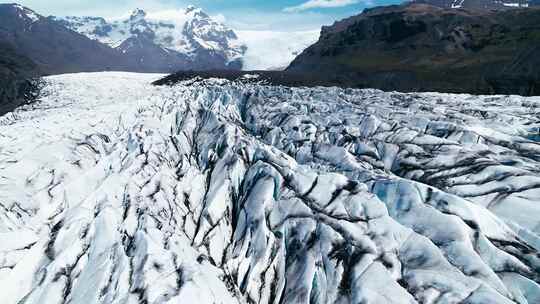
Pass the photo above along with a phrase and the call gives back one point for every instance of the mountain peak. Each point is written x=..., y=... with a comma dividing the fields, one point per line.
x=22, y=12
x=190, y=8
x=192, y=37
x=195, y=11
x=137, y=14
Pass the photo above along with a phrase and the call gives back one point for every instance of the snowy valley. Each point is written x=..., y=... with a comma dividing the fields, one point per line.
x=113, y=190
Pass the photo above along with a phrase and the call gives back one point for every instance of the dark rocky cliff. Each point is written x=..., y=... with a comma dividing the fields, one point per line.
x=18, y=79
x=418, y=47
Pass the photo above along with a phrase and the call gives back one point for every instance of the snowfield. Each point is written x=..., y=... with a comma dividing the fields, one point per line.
x=116, y=191
x=268, y=50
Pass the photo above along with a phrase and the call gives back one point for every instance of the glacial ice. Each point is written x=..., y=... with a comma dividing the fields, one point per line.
x=116, y=191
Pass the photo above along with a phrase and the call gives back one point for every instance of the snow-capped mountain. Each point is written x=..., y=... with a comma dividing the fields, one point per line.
x=116, y=191
x=22, y=12
x=134, y=44
x=195, y=36
x=190, y=40
x=52, y=47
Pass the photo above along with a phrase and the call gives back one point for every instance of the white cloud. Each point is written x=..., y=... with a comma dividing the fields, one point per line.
x=165, y=15
x=219, y=18
x=311, y=4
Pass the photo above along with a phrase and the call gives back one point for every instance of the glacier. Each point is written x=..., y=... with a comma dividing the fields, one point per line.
x=113, y=190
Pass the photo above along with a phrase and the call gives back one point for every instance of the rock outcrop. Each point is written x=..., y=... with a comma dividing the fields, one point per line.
x=417, y=47
x=19, y=83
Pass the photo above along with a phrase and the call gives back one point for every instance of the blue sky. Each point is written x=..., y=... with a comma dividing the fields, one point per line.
x=280, y=15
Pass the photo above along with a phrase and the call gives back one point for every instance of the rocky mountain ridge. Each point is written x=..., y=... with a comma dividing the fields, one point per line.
x=480, y=4
x=418, y=47
x=51, y=46
x=140, y=45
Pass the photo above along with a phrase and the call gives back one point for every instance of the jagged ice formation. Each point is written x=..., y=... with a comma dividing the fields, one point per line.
x=115, y=191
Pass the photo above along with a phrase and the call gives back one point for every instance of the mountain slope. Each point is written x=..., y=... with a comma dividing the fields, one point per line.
x=18, y=79
x=191, y=40
x=54, y=48
x=424, y=48
x=139, y=45
x=115, y=191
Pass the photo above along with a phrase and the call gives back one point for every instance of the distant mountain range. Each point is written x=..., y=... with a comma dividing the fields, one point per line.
x=52, y=47
x=136, y=44
x=192, y=41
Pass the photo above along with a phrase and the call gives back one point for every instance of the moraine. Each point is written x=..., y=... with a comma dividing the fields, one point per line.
x=116, y=191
